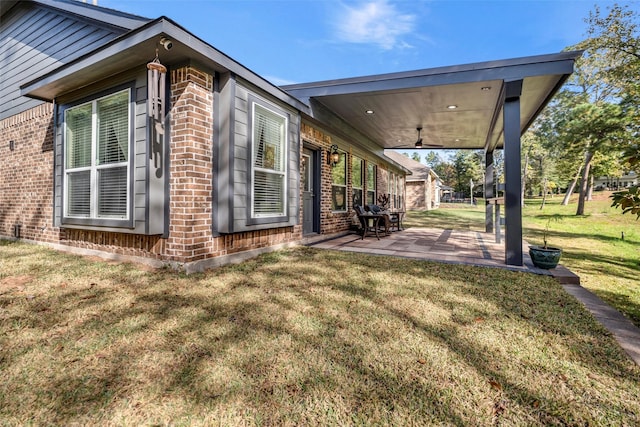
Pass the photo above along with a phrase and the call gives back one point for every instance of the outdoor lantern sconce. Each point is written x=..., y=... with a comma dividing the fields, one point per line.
x=333, y=157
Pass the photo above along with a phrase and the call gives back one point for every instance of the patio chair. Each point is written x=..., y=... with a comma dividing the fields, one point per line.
x=369, y=222
x=391, y=219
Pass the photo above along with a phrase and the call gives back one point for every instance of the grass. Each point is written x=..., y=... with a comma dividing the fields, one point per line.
x=593, y=245
x=300, y=337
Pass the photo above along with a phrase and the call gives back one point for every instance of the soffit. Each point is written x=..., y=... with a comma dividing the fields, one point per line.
x=401, y=102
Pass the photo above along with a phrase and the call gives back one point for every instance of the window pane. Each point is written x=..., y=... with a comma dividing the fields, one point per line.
x=113, y=128
x=268, y=137
x=357, y=197
x=339, y=198
x=371, y=184
x=269, y=162
x=339, y=171
x=112, y=192
x=371, y=177
x=305, y=173
x=356, y=172
x=371, y=197
x=79, y=194
x=268, y=193
x=78, y=137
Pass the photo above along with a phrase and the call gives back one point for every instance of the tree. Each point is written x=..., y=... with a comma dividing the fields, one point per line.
x=467, y=167
x=629, y=200
x=616, y=38
x=592, y=128
x=416, y=156
x=432, y=159
x=442, y=168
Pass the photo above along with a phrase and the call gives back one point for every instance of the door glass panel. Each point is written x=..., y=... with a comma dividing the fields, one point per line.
x=305, y=173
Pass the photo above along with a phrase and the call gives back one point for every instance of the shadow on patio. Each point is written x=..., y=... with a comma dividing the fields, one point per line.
x=442, y=245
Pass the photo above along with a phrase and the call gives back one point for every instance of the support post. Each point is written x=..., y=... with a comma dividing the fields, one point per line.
x=488, y=191
x=512, y=167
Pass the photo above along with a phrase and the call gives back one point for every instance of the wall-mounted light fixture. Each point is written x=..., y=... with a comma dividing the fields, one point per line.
x=12, y=145
x=333, y=157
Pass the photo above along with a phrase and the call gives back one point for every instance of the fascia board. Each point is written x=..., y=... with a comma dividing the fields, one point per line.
x=513, y=69
x=85, y=10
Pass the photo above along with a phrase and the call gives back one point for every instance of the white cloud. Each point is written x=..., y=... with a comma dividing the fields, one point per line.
x=279, y=81
x=374, y=22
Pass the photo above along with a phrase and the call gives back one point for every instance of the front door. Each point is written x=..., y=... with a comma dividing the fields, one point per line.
x=307, y=176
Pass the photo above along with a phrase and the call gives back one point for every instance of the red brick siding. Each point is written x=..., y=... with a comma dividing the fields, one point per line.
x=26, y=181
x=190, y=166
x=26, y=174
x=330, y=222
x=416, y=195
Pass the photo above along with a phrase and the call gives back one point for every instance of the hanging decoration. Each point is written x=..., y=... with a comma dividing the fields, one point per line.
x=156, y=77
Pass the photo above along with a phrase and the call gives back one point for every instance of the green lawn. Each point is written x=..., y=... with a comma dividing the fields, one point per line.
x=301, y=337
x=592, y=245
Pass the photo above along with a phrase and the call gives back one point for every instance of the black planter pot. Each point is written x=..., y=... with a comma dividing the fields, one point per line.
x=546, y=258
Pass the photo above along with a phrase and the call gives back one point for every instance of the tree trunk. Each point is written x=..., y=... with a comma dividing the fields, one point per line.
x=544, y=194
x=583, y=184
x=590, y=188
x=571, y=187
x=524, y=177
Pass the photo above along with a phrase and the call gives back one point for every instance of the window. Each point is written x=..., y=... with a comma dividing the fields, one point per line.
x=339, y=185
x=391, y=189
x=400, y=192
x=96, y=164
x=269, y=161
x=371, y=184
x=356, y=180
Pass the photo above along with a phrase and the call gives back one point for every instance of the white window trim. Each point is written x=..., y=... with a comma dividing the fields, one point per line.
x=94, y=167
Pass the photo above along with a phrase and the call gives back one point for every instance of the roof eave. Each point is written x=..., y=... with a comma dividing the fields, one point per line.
x=138, y=47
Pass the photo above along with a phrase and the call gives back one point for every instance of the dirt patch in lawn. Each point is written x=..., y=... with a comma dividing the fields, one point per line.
x=14, y=282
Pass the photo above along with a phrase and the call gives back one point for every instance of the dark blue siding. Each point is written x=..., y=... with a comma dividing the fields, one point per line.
x=35, y=40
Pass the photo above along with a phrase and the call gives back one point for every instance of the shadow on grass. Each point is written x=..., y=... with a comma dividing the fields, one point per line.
x=631, y=309
x=305, y=337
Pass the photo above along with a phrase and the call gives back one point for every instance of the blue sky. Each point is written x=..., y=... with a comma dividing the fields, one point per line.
x=296, y=41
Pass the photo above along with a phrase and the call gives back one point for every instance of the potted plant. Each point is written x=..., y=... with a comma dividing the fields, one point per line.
x=546, y=256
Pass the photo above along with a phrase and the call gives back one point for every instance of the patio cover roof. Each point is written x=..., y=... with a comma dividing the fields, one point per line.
x=401, y=102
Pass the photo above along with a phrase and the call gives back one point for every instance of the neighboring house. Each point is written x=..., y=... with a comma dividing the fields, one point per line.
x=629, y=179
x=422, y=186
x=131, y=138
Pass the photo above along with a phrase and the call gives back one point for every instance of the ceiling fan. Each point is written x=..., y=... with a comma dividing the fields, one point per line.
x=419, y=141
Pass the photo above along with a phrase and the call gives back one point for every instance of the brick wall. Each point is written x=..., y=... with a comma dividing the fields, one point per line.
x=330, y=222
x=416, y=195
x=26, y=184
x=191, y=165
x=26, y=175
x=190, y=224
